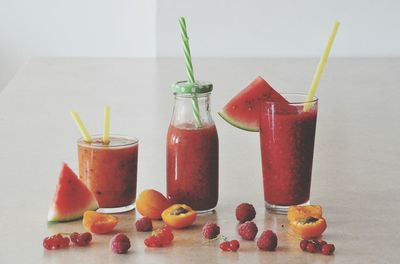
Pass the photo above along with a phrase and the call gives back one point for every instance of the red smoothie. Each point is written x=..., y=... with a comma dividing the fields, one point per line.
x=287, y=145
x=192, y=166
x=110, y=171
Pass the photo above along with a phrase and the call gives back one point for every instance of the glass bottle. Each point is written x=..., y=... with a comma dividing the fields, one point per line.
x=192, y=148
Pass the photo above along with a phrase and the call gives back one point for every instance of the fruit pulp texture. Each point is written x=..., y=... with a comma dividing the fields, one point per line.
x=192, y=166
x=287, y=145
x=110, y=172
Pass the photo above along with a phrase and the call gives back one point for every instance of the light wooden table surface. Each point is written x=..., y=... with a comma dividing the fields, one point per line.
x=356, y=176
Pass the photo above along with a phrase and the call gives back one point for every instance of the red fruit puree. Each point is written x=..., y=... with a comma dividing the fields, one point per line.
x=287, y=144
x=110, y=171
x=192, y=166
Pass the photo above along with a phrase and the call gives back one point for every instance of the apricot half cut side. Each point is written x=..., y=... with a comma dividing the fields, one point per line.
x=179, y=216
x=99, y=223
x=297, y=212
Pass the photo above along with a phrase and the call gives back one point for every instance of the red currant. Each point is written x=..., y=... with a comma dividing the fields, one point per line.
x=328, y=249
x=303, y=244
x=166, y=233
x=153, y=241
x=234, y=245
x=47, y=243
x=311, y=247
x=225, y=246
x=159, y=238
x=55, y=242
x=81, y=240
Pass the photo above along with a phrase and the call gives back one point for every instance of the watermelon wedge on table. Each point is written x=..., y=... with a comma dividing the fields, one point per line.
x=72, y=198
x=242, y=111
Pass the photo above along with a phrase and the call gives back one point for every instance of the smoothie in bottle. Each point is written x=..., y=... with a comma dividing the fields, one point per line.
x=192, y=149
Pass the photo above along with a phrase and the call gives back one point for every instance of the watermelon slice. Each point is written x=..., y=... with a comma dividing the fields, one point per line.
x=242, y=111
x=72, y=198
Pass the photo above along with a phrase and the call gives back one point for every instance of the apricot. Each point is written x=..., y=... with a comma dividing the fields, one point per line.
x=99, y=223
x=297, y=212
x=309, y=227
x=179, y=216
x=151, y=203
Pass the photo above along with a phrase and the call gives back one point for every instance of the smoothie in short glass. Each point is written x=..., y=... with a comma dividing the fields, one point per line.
x=110, y=171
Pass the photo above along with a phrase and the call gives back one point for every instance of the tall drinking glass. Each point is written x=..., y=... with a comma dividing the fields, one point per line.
x=287, y=134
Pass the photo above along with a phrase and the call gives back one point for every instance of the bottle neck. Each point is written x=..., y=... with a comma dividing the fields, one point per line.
x=183, y=114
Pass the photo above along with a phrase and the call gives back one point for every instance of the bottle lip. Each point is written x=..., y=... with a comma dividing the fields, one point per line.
x=185, y=87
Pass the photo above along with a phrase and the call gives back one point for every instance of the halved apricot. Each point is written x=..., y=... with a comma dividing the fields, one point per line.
x=99, y=223
x=309, y=227
x=297, y=212
x=179, y=216
x=151, y=203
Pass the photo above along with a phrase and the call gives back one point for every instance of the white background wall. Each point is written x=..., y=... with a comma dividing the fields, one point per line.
x=118, y=28
x=272, y=28
x=217, y=28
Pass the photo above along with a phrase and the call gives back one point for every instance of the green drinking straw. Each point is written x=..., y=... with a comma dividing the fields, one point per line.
x=189, y=69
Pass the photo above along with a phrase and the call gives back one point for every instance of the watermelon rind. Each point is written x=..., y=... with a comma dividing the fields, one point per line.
x=55, y=216
x=238, y=124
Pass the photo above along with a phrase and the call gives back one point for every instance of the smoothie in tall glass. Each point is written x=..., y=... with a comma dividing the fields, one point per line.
x=287, y=144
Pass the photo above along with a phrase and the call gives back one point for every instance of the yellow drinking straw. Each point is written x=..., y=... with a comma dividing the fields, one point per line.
x=81, y=126
x=321, y=66
x=106, y=128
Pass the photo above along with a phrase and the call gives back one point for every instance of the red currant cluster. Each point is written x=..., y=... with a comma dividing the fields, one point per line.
x=160, y=238
x=232, y=245
x=59, y=241
x=81, y=240
x=314, y=246
x=55, y=242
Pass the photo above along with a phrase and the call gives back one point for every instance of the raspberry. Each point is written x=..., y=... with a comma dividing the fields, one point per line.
x=234, y=245
x=144, y=224
x=245, y=212
x=210, y=231
x=268, y=241
x=328, y=249
x=81, y=240
x=248, y=230
x=55, y=242
x=225, y=246
x=120, y=243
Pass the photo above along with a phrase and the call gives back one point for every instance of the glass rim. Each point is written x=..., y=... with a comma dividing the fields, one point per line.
x=191, y=95
x=297, y=102
x=133, y=141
